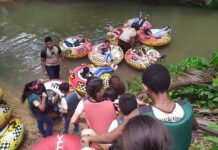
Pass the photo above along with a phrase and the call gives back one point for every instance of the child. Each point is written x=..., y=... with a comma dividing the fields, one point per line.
x=97, y=72
x=36, y=95
x=106, y=50
x=127, y=103
x=67, y=105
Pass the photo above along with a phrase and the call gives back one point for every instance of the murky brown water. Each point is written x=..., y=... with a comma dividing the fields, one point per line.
x=24, y=26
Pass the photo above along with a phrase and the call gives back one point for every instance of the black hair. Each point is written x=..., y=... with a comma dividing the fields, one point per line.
x=84, y=72
x=93, y=86
x=48, y=39
x=127, y=103
x=64, y=87
x=136, y=26
x=106, y=41
x=137, y=42
x=27, y=90
x=157, y=78
x=109, y=93
x=144, y=132
x=117, y=84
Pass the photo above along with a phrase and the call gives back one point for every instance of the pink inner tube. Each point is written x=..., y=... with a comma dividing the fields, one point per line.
x=58, y=142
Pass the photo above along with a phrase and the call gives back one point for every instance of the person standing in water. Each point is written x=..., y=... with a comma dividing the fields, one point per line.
x=50, y=59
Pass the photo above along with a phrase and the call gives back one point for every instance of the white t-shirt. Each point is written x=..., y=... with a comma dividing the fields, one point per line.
x=63, y=103
x=127, y=34
x=114, y=125
x=176, y=115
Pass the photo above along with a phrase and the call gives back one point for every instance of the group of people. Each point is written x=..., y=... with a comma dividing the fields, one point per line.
x=116, y=119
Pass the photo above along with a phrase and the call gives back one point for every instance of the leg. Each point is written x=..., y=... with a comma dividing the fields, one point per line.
x=66, y=123
x=76, y=129
x=49, y=122
x=56, y=71
x=51, y=72
x=40, y=125
x=104, y=70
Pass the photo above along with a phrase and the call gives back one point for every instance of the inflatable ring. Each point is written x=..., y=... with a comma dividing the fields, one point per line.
x=79, y=83
x=12, y=134
x=5, y=113
x=154, y=41
x=74, y=47
x=141, y=63
x=1, y=93
x=58, y=142
x=98, y=59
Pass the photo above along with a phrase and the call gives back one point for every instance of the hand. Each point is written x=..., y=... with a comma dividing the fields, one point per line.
x=86, y=132
x=85, y=140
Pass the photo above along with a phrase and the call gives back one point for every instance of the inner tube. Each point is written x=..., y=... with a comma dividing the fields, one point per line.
x=78, y=82
x=12, y=134
x=139, y=62
x=1, y=93
x=5, y=113
x=151, y=40
x=75, y=47
x=58, y=142
x=99, y=59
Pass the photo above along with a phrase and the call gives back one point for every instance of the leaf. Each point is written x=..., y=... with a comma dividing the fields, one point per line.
x=212, y=139
x=213, y=126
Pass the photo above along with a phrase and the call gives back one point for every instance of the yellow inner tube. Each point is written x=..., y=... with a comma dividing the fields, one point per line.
x=11, y=135
x=5, y=113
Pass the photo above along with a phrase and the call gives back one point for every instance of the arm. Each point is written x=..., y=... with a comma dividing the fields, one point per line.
x=79, y=110
x=42, y=105
x=43, y=66
x=107, y=137
x=111, y=136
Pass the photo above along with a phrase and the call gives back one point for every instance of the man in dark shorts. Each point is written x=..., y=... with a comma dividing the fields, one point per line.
x=50, y=59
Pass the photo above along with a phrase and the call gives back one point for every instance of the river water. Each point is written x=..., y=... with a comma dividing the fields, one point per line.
x=23, y=27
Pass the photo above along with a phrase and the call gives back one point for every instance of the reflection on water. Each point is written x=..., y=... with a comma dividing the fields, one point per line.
x=24, y=26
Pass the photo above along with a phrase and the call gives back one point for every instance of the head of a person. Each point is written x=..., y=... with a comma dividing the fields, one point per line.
x=117, y=84
x=48, y=42
x=109, y=93
x=95, y=89
x=156, y=79
x=144, y=132
x=127, y=103
x=136, y=26
x=107, y=43
x=64, y=87
x=35, y=86
x=85, y=71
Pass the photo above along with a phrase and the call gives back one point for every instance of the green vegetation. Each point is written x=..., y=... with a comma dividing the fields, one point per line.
x=204, y=95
